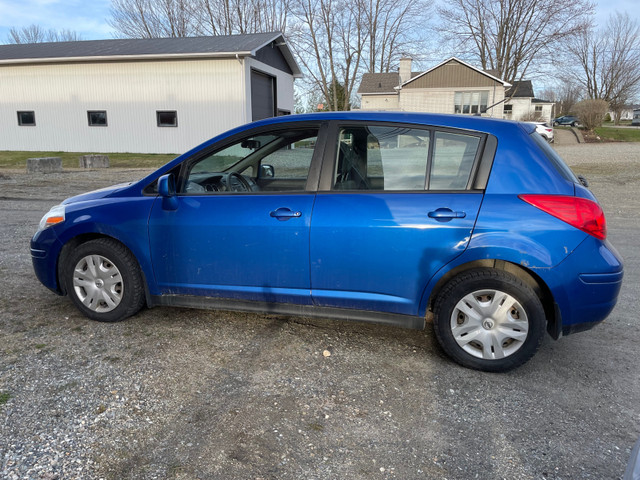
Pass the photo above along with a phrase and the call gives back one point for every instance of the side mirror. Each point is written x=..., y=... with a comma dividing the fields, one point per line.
x=266, y=171
x=167, y=190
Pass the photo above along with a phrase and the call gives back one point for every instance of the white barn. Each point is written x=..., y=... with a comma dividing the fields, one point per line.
x=140, y=95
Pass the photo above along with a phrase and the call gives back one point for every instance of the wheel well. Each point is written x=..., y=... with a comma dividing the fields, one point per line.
x=527, y=276
x=79, y=240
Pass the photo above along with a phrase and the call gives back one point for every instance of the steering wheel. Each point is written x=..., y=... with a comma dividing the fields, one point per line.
x=239, y=185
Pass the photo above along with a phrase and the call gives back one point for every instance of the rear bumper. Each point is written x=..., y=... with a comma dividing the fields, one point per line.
x=586, y=299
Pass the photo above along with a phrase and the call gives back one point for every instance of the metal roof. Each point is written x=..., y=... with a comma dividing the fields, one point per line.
x=145, y=48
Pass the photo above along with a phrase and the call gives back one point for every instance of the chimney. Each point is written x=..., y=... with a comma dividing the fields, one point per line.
x=405, y=69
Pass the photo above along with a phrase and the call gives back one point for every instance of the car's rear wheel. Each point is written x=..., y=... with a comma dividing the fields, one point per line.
x=489, y=320
x=103, y=279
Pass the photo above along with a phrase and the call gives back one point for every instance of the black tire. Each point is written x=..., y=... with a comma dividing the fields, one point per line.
x=103, y=279
x=502, y=305
x=574, y=124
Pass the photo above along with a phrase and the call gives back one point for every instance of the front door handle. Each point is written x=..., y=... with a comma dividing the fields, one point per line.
x=284, y=213
x=446, y=214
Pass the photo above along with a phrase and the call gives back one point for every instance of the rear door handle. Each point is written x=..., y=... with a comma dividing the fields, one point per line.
x=284, y=213
x=446, y=214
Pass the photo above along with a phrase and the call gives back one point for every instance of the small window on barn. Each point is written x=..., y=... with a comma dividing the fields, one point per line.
x=167, y=118
x=97, y=118
x=538, y=108
x=508, y=109
x=27, y=119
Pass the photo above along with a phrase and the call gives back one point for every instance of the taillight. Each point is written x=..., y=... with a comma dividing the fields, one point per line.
x=578, y=212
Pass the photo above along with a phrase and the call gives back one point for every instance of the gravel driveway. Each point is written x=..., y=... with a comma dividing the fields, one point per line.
x=188, y=394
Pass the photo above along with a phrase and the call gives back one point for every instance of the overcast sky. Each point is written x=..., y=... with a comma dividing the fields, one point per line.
x=89, y=18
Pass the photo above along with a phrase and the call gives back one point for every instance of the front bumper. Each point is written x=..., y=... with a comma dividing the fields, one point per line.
x=45, y=249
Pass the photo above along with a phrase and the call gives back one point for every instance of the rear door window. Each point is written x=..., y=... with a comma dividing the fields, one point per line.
x=400, y=158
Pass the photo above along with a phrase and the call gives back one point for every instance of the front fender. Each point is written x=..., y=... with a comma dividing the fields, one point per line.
x=125, y=220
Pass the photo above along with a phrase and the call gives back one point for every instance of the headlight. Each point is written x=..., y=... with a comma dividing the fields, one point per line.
x=53, y=217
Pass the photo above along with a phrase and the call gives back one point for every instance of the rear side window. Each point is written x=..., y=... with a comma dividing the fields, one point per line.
x=554, y=158
x=396, y=158
x=453, y=157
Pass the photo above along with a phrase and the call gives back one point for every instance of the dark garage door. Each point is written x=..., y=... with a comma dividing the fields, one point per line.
x=263, y=98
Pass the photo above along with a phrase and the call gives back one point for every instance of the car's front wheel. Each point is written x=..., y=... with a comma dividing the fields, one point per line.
x=489, y=320
x=103, y=279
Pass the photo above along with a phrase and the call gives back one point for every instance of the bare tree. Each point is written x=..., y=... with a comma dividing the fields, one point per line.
x=329, y=40
x=228, y=17
x=183, y=18
x=591, y=112
x=609, y=62
x=37, y=34
x=153, y=18
x=394, y=28
x=565, y=94
x=507, y=36
x=334, y=39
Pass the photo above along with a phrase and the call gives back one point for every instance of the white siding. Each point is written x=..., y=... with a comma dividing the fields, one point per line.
x=525, y=109
x=432, y=100
x=441, y=100
x=208, y=96
x=379, y=102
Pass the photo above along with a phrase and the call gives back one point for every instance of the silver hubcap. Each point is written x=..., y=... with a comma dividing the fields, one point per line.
x=98, y=283
x=489, y=324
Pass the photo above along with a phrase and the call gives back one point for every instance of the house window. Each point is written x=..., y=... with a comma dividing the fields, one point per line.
x=470, y=102
x=27, y=119
x=167, y=118
x=508, y=109
x=97, y=118
x=538, y=108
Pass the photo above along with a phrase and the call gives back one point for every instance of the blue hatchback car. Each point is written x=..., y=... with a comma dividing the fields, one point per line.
x=473, y=224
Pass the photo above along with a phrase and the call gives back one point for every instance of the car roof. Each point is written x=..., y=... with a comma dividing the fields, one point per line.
x=473, y=123
x=467, y=122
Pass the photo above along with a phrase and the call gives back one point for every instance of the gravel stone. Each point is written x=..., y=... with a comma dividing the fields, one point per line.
x=191, y=394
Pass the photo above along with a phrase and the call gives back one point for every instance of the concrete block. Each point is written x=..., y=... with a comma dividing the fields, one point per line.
x=94, y=161
x=44, y=165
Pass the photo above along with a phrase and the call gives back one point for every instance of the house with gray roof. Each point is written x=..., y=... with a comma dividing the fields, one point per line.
x=522, y=104
x=452, y=86
x=161, y=95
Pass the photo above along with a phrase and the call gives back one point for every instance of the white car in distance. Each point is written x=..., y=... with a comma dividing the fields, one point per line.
x=545, y=130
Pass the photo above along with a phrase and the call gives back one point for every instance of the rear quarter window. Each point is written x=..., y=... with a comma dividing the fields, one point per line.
x=555, y=159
